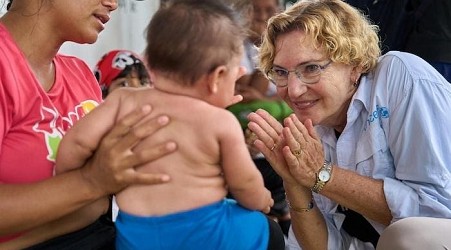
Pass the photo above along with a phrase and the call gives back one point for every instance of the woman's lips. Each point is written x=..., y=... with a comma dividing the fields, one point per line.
x=305, y=104
x=103, y=18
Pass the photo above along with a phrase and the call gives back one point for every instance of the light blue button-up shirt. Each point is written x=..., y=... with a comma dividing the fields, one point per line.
x=398, y=130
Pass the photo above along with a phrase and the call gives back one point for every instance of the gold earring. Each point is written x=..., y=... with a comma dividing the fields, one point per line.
x=356, y=82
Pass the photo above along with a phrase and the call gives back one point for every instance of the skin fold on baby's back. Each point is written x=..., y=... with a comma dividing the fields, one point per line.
x=195, y=171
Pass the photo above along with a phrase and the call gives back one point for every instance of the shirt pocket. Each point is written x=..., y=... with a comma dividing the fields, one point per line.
x=373, y=157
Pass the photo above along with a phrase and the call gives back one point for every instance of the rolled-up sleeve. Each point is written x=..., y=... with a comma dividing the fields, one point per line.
x=419, y=139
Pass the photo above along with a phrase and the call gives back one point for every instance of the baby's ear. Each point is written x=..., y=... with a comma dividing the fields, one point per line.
x=216, y=77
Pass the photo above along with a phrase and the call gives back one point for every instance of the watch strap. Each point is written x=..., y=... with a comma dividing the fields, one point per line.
x=319, y=185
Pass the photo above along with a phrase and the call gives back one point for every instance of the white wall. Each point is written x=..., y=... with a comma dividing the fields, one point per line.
x=125, y=30
x=2, y=7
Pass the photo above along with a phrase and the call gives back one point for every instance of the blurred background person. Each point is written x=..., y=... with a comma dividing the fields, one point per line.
x=420, y=27
x=121, y=68
x=262, y=11
x=431, y=37
x=259, y=93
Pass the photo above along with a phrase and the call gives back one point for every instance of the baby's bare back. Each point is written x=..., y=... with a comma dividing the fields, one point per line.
x=195, y=171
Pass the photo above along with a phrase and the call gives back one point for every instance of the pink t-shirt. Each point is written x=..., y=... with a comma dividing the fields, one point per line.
x=33, y=121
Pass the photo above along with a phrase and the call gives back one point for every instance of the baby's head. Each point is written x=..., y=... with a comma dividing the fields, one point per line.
x=188, y=39
x=121, y=68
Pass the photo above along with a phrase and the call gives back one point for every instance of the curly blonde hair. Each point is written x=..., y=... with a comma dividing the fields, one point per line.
x=341, y=31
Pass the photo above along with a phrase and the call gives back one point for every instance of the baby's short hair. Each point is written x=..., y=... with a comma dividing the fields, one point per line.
x=187, y=39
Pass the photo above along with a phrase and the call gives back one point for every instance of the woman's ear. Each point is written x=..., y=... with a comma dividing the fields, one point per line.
x=215, y=78
x=355, y=75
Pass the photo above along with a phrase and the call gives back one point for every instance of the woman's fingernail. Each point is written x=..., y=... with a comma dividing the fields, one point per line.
x=171, y=146
x=146, y=109
x=163, y=120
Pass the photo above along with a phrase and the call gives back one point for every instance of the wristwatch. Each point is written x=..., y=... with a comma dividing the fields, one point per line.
x=322, y=177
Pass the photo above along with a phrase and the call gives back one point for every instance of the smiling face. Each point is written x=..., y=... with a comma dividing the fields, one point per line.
x=324, y=102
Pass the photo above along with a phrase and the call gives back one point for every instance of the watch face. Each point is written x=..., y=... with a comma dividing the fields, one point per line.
x=323, y=175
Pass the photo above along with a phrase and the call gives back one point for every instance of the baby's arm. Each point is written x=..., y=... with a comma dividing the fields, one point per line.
x=243, y=179
x=79, y=143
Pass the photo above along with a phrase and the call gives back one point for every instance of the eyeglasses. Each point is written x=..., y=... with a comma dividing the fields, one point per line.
x=309, y=74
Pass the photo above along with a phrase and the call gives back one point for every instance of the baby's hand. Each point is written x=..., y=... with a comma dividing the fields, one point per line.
x=235, y=99
x=270, y=203
x=250, y=138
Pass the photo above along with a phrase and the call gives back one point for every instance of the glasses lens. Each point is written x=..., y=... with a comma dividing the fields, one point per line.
x=309, y=73
x=278, y=76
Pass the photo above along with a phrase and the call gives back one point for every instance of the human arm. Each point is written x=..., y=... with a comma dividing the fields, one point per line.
x=80, y=142
x=347, y=188
x=309, y=226
x=243, y=179
x=419, y=139
x=67, y=224
x=299, y=173
x=108, y=171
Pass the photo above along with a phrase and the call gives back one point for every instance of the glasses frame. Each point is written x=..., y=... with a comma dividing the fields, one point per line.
x=298, y=74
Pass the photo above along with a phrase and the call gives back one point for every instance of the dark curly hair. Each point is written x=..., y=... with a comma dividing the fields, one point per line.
x=211, y=33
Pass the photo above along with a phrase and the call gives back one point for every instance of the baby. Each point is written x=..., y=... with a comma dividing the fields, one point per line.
x=194, y=51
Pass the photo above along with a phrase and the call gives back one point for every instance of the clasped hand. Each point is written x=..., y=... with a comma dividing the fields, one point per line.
x=293, y=148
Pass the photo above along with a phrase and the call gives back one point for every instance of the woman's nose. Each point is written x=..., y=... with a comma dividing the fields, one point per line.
x=295, y=86
x=111, y=4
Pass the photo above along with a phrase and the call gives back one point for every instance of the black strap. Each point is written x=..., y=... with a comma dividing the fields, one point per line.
x=357, y=226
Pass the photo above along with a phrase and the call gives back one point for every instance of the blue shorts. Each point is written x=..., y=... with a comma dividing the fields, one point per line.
x=221, y=225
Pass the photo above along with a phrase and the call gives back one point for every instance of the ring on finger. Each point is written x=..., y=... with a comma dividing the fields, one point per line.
x=273, y=147
x=297, y=152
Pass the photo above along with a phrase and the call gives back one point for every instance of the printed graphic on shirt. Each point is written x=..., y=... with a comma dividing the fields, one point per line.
x=55, y=129
x=377, y=115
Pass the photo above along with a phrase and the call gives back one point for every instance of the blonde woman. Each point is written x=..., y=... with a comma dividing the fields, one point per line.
x=364, y=147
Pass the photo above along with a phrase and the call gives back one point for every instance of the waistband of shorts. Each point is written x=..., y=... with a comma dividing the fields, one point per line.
x=191, y=214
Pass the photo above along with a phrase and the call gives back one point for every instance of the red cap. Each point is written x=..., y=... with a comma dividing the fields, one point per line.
x=112, y=64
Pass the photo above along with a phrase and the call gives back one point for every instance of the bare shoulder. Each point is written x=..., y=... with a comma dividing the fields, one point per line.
x=129, y=99
x=122, y=94
x=226, y=121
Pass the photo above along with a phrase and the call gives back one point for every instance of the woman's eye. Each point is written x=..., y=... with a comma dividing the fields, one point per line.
x=280, y=72
x=311, y=68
